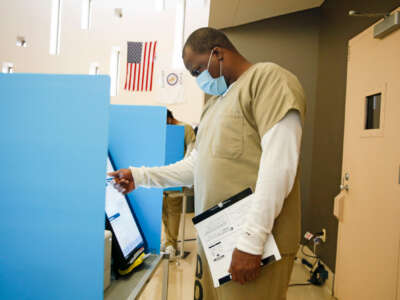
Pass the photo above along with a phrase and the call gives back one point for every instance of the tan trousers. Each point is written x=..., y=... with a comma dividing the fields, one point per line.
x=271, y=284
x=171, y=217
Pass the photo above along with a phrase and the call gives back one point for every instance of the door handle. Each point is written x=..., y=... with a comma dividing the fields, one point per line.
x=338, y=205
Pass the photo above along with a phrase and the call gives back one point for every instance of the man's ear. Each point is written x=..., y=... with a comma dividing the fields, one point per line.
x=219, y=53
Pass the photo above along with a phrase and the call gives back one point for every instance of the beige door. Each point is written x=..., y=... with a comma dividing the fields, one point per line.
x=367, y=265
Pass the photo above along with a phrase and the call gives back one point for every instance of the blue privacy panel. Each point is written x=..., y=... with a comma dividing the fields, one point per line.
x=175, y=145
x=137, y=138
x=53, y=158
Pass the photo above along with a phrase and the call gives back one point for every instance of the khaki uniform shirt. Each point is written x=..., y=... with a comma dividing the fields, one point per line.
x=229, y=142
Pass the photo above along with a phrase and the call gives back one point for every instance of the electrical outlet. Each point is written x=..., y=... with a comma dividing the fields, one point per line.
x=323, y=236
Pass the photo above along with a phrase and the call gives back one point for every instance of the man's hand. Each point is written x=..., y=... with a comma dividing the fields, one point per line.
x=124, y=182
x=244, y=266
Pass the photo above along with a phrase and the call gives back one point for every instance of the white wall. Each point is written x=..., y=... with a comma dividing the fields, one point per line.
x=79, y=48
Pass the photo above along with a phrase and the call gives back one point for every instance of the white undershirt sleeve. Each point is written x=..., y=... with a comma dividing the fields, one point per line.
x=276, y=176
x=174, y=175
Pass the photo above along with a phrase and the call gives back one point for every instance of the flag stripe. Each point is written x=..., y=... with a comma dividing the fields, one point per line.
x=141, y=70
x=139, y=75
x=146, y=50
x=130, y=77
x=126, y=77
x=144, y=65
x=148, y=65
x=134, y=77
x=152, y=66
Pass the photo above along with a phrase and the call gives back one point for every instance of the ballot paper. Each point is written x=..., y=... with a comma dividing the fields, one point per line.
x=219, y=229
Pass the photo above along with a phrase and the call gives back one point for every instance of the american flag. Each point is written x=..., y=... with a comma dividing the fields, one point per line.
x=140, y=66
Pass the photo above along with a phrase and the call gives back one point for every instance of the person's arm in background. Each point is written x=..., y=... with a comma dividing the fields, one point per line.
x=276, y=176
x=174, y=175
x=190, y=139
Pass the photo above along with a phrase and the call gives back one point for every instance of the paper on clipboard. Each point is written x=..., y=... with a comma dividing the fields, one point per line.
x=219, y=228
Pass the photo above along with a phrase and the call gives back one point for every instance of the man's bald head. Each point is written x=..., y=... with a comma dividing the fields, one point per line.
x=210, y=49
x=203, y=40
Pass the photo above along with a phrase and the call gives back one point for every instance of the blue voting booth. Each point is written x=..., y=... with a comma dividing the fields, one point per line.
x=174, y=150
x=53, y=157
x=55, y=133
x=139, y=136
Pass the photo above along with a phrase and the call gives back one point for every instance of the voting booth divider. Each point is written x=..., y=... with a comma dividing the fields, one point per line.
x=139, y=136
x=55, y=133
x=174, y=148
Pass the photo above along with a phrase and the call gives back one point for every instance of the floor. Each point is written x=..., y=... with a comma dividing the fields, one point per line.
x=181, y=277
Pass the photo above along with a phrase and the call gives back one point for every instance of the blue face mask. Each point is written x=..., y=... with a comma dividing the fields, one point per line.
x=212, y=86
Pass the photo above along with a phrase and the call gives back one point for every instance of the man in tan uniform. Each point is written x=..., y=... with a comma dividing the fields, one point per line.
x=172, y=202
x=249, y=136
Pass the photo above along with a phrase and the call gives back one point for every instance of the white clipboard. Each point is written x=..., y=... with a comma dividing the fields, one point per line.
x=219, y=228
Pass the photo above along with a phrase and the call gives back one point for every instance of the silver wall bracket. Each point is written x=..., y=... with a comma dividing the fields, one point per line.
x=387, y=26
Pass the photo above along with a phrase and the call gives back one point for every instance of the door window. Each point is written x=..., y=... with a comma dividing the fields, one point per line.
x=373, y=111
